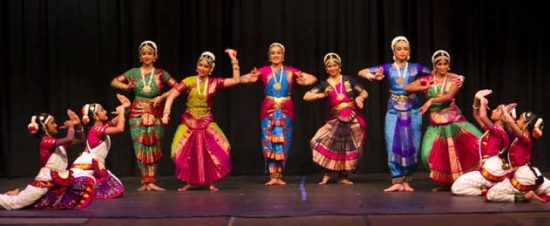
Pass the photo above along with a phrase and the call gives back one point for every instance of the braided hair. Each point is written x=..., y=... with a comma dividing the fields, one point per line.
x=89, y=109
x=37, y=125
x=534, y=124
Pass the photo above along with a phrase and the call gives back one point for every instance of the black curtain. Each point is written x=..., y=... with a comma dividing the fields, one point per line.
x=59, y=54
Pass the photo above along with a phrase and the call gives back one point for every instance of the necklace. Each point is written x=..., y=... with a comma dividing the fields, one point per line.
x=340, y=94
x=277, y=85
x=401, y=78
x=202, y=95
x=147, y=86
x=443, y=85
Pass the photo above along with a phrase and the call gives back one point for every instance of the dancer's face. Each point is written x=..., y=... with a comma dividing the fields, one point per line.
x=521, y=122
x=401, y=51
x=147, y=56
x=101, y=114
x=203, y=68
x=441, y=66
x=496, y=114
x=276, y=55
x=51, y=126
x=332, y=68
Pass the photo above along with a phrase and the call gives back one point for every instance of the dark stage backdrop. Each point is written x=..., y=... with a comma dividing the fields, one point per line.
x=59, y=54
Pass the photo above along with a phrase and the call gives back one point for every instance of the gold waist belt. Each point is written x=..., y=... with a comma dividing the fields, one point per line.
x=402, y=98
x=343, y=105
x=277, y=100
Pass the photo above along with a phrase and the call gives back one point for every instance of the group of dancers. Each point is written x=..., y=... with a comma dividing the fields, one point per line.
x=460, y=158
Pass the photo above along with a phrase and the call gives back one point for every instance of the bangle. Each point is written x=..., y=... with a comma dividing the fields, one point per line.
x=166, y=113
x=235, y=62
x=236, y=67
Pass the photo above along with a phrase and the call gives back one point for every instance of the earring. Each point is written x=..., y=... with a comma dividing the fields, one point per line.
x=408, y=57
x=394, y=59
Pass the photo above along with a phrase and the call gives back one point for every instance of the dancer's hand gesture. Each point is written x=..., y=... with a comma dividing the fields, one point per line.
x=124, y=101
x=73, y=117
x=379, y=74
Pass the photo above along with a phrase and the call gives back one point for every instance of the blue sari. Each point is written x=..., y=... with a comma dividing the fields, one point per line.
x=403, y=119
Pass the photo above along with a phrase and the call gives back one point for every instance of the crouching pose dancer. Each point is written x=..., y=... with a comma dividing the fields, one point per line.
x=92, y=160
x=493, y=149
x=526, y=183
x=54, y=187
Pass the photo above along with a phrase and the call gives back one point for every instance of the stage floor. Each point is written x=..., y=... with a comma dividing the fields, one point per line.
x=244, y=200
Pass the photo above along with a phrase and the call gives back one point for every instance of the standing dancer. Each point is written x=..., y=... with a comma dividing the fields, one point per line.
x=450, y=145
x=91, y=161
x=277, y=111
x=339, y=143
x=147, y=83
x=403, y=120
x=54, y=187
x=200, y=149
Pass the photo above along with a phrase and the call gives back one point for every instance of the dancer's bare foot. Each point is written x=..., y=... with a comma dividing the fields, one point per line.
x=273, y=181
x=213, y=188
x=407, y=187
x=395, y=187
x=281, y=182
x=13, y=192
x=325, y=179
x=143, y=188
x=345, y=181
x=186, y=188
x=154, y=187
x=532, y=196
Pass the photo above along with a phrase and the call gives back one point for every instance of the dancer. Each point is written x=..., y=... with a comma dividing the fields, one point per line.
x=493, y=149
x=403, y=120
x=148, y=84
x=526, y=128
x=339, y=143
x=526, y=183
x=91, y=161
x=450, y=144
x=200, y=149
x=277, y=112
x=54, y=187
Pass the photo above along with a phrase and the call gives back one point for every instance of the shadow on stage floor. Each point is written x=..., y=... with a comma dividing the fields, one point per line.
x=244, y=200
